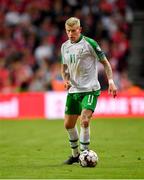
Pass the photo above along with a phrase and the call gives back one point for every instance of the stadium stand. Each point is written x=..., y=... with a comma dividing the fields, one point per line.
x=32, y=31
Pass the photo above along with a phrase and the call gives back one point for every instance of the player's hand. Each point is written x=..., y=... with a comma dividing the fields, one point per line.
x=67, y=84
x=112, y=89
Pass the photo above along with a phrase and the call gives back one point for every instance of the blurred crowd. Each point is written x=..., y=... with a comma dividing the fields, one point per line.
x=32, y=31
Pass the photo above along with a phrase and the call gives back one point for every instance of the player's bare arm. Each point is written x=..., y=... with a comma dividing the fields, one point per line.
x=112, y=87
x=65, y=76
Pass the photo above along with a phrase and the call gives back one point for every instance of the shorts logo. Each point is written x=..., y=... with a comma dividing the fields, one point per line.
x=66, y=108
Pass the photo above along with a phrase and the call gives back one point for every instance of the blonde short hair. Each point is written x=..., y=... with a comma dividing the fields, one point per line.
x=72, y=21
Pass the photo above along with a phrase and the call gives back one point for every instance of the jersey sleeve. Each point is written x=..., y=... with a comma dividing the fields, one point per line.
x=62, y=55
x=99, y=53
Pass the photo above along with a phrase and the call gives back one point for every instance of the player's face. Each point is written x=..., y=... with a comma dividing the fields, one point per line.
x=73, y=33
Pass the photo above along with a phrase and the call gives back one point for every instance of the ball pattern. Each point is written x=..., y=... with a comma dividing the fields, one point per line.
x=88, y=158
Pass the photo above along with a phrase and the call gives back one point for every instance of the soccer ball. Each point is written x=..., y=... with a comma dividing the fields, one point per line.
x=88, y=158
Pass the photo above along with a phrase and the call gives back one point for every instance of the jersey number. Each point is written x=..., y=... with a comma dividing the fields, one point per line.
x=90, y=99
x=72, y=58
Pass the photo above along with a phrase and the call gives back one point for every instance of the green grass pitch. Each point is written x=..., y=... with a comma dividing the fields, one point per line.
x=37, y=149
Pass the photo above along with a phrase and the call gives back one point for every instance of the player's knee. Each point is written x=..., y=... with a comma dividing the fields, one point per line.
x=85, y=123
x=85, y=120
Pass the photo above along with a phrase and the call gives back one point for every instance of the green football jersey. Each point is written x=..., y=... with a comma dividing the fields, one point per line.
x=82, y=58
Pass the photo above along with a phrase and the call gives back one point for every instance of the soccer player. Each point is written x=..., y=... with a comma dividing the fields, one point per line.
x=80, y=56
